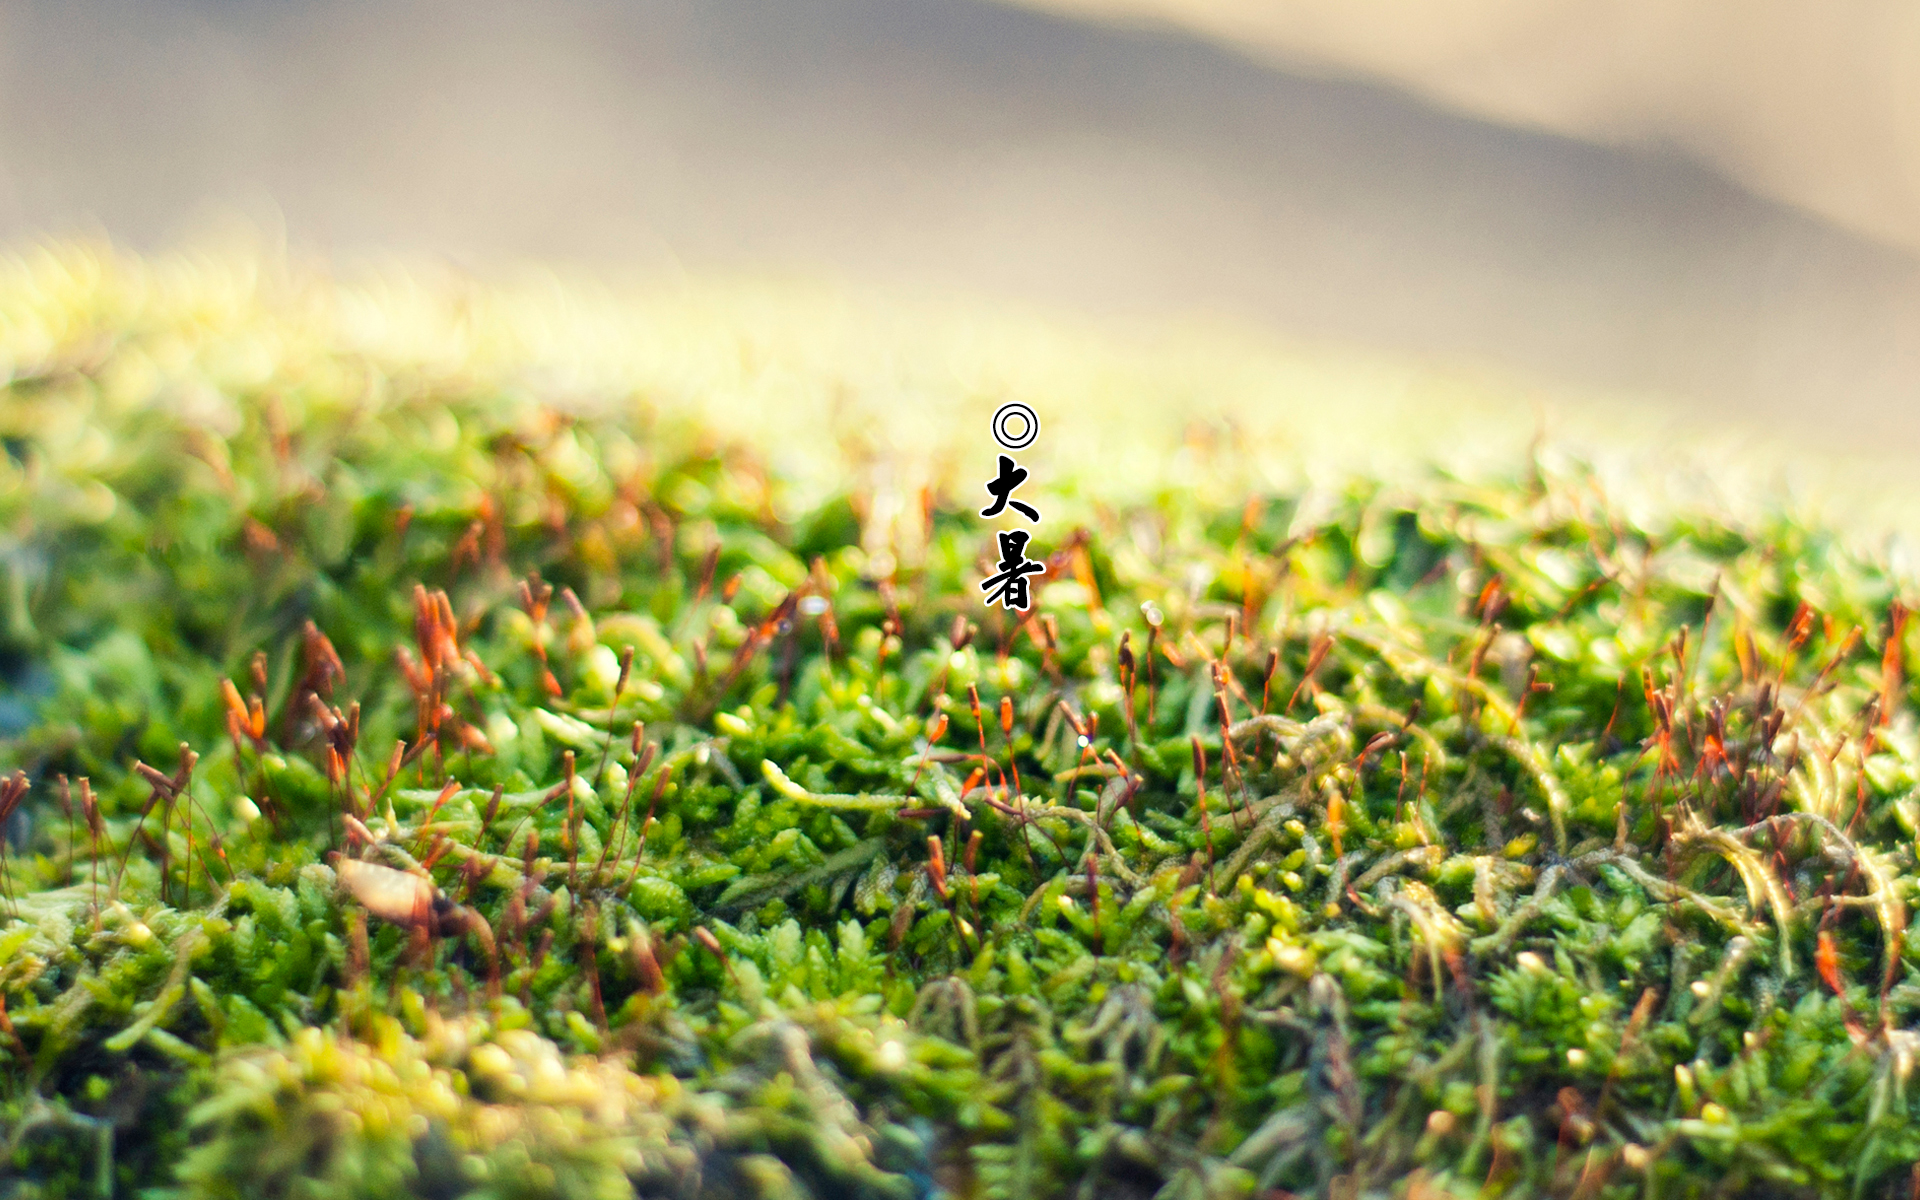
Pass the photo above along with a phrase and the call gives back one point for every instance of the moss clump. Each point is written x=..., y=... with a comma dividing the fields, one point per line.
x=430, y=787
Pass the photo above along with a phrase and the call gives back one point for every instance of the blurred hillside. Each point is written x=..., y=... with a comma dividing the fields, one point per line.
x=1816, y=105
x=948, y=151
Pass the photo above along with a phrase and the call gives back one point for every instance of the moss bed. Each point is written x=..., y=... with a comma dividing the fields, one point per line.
x=436, y=782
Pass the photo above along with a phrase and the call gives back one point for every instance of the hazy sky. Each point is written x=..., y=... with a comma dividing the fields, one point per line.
x=950, y=145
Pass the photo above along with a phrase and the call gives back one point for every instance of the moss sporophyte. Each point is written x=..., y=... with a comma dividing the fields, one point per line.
x=432, y=788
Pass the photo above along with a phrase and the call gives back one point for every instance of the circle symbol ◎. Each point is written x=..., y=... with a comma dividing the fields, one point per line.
x=1023, y=419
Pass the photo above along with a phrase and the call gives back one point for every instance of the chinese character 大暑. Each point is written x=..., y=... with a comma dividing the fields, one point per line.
x=1009, y=588
x=1011, y=476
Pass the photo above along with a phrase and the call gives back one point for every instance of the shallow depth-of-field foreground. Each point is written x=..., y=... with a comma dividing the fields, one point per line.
x=436, y=776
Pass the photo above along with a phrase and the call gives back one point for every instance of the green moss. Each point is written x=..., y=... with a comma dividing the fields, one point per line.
x=1539, y=849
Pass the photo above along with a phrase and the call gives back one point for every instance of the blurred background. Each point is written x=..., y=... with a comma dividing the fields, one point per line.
x=1630, y=216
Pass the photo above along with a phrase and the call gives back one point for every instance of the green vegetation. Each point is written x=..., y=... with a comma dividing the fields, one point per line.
x=435, y=781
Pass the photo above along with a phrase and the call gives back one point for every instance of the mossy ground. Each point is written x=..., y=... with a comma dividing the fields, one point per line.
x=1413, y=838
